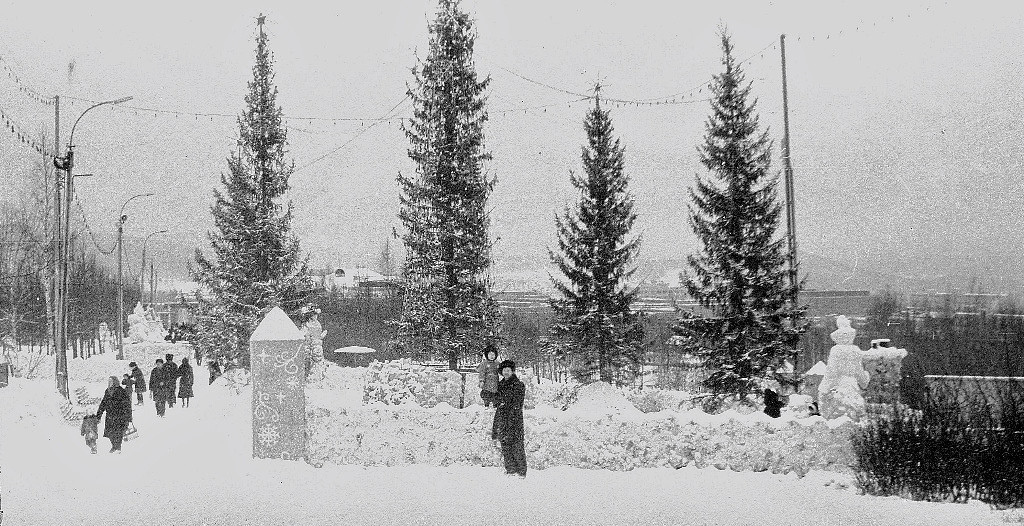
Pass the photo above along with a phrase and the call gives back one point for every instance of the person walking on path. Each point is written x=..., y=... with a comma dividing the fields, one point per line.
x=127, y=382
x=185, y=384
x=488, y=373
x=508, y=419
x=214, y=370
x=158, y=387
x=139, y=380
x=118, y=406
x=171, y=372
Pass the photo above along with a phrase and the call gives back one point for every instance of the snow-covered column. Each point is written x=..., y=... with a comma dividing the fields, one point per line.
x=277, y=360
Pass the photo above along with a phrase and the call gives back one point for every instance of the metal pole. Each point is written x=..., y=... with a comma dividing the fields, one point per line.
x=142, y=272
x=59, y=347
x=120, y=289
x=790, y=196
x=152, y=286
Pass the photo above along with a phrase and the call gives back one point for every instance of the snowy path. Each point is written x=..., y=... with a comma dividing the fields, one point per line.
x=193, y=467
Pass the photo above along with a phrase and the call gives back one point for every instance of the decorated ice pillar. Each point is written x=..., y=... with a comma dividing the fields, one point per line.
x=276, y=351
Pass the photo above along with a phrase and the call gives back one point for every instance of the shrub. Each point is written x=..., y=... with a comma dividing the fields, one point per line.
x=957, y=448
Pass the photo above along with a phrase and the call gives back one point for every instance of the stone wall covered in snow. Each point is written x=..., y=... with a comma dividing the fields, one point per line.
x=601, y=430
x=402, y=381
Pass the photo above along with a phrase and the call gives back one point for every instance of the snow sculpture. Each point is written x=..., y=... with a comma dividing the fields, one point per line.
x=845, y=377
x=143, y=326
x=314, y=335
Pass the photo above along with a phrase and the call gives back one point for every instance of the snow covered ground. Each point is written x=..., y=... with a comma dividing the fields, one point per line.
x=194, y=467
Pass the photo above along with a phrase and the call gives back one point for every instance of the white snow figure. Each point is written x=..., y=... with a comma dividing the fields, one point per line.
x=143, y=326
x=315, y=333
x=845, y=377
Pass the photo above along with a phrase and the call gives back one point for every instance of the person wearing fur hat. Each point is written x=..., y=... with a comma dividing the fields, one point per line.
x=158, y=387
x=171, y=376
x=487, y=371
x=508, y=419
x=139, y=379
x=118, y=406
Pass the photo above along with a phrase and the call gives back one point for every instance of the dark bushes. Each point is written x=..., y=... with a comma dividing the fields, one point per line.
x=966, y=443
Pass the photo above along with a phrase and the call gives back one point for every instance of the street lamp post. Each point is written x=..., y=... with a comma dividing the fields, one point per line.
x=142, y=274
x=63, y=220
x=120, y=273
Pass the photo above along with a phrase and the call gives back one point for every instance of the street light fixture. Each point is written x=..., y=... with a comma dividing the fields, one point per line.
x=142, y=275
x=120, y=270
x=62, y=241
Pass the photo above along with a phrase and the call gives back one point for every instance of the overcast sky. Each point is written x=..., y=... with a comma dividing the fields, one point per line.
x=905, y=116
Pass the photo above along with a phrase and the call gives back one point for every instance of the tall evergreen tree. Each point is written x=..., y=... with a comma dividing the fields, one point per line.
x=449, y=311
x=595, y=329
x=256, y=260
x=740, y=273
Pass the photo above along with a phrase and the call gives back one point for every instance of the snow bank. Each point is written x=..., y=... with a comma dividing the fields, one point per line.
x=402, y=381
x=583, y=436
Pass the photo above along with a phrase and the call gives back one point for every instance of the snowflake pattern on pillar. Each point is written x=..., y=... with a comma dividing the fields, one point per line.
x=277, y=349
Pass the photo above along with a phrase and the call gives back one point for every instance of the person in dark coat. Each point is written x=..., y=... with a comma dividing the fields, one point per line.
x=118, y=406
x=508, y=425
x=214, y=370
x=772, y=403
x=185, y=384
x=139, y=380
x=171, y=372
x=158, y=387
x=126, y=382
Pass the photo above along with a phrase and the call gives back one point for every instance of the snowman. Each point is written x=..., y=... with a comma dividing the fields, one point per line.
x=840, y=391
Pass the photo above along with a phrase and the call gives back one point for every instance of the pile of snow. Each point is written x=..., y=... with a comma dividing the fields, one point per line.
x=652, y=400
x=402, y=381
x=340, y=387
x=146, y=353
x=601, y=399
x=587, y=435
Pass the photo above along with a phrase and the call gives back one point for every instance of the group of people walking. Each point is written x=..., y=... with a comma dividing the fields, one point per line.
x=167, y=382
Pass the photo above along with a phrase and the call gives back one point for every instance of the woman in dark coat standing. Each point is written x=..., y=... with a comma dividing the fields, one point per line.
x=118, y=406
x=508, y=419
x=185, y=384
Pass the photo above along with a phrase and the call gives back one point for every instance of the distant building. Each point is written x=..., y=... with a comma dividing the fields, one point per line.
x=355, y=279
x=852, y=303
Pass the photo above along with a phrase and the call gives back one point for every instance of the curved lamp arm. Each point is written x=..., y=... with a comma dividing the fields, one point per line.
x=71, y=138
x=120, y=217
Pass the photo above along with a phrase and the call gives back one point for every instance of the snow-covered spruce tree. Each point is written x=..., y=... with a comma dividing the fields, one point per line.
x=256, y=261
x=740, y=273
x=449, y=311
x=595, y=329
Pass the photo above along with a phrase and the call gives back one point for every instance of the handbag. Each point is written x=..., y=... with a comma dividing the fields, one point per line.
x=131, y=433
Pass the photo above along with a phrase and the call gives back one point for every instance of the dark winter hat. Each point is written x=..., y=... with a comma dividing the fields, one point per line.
x=132, y=364
x=507, y=363
x=158, y=360
x=169, y=356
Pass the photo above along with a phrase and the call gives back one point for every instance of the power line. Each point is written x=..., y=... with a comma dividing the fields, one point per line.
x=387, y=118
x=18, y=131
x=22, y=86
x=85, y=222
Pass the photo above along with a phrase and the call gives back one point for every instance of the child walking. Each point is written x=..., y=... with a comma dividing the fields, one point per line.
x=90, y=430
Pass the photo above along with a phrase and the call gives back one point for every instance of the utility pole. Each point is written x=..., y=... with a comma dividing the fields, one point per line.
x=152, y=286
x=790, y=196
x=57, y=285
x=120, y=287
